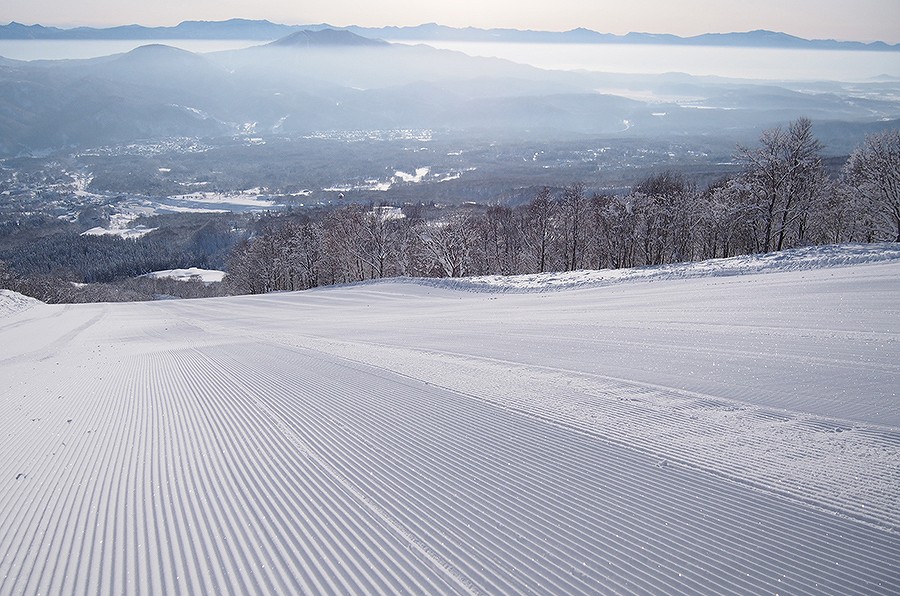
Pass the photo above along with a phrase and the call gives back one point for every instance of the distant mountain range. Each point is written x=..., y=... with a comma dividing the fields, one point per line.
x=334, y=80
x=267, y=31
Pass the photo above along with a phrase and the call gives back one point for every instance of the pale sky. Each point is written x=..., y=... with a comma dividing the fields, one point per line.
x=860, y=20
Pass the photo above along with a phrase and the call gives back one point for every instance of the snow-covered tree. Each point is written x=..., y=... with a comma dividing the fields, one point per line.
x=874, y=172
x=782, y=181
x=448, y=243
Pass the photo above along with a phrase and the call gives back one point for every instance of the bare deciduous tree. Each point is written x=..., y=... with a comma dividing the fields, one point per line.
x=539, y=230
x=574, y=215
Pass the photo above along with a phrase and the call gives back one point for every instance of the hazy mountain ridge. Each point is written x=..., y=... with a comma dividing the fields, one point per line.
x=311, y=81
x=230, y=29
x=326, y=37
x=267, y=31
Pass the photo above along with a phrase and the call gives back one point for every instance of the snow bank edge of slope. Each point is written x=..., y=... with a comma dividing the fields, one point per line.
x=799, y=259
x=13, y=302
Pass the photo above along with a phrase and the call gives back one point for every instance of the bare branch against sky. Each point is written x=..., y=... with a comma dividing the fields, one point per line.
x=861, y=20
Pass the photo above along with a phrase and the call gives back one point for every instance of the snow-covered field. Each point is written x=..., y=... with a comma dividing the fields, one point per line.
x=191, y=273
x=130, y=233
x=684, y=432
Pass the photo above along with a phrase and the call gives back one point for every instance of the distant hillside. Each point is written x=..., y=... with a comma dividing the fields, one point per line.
x=326, y=38
x=266, y=30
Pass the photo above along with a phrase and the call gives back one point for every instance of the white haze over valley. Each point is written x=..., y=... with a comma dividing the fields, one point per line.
x=64, y=49
x=728, y=425
x=729, y=62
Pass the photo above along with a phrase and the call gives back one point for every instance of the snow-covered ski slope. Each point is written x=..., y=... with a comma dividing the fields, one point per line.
x=727, y=434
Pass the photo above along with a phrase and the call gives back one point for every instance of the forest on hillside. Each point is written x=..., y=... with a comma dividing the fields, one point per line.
x=782, y=198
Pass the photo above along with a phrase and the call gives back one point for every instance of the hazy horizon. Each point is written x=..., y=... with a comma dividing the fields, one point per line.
x=348, y=25
x=865, y=20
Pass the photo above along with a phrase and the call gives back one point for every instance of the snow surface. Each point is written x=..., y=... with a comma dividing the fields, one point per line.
x=247, y=198
x=245, y=201
x=130, y=233
x=413, y=178
x=399, y=177
x=191, y=273
x=701, y=433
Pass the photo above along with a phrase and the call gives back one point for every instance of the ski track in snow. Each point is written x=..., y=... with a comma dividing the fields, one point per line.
x=402, y=438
